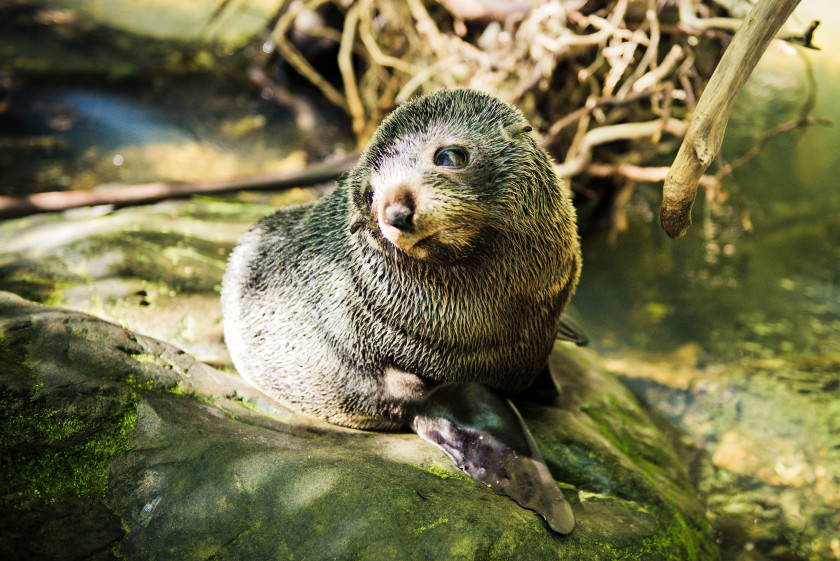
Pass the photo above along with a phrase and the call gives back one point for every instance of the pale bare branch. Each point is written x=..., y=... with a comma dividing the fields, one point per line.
x=602, y=135
x=297, y=60
x=705, y=134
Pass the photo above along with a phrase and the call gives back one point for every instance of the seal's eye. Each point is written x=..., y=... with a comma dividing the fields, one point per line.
x=454, y=157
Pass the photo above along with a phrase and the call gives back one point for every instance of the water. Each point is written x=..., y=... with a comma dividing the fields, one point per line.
x=774, y=289
x=188, y=128
x=732, y=333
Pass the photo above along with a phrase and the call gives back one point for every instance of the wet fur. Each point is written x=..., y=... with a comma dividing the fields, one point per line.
x=326, y=314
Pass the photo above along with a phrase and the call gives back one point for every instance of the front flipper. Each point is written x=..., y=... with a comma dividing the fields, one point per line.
x=486, y=437
x=570, y=330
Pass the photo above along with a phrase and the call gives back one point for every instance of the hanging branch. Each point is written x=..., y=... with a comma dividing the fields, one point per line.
x=705, y=133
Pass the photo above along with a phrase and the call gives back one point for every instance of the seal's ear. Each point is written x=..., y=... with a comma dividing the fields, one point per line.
x=356, y=224
x=511, y=131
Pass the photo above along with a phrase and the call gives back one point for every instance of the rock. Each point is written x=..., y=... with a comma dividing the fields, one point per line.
x=156, y=269
x=230, y=24
x=116, y=445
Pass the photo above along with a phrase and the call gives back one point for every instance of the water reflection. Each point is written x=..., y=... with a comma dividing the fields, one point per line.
x=187, y=129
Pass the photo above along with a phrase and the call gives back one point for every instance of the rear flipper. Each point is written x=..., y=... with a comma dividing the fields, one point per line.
x=486, y=437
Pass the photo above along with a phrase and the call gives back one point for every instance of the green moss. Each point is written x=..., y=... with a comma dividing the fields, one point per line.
x=678, y=541
x=186, y=264
x=441, y=472
x=138, y=384
x=619, y=425
x=155, y=385
x=145, y=358
x=434, y=524
x=154, y=382
x=50, y=449
x=36, y=285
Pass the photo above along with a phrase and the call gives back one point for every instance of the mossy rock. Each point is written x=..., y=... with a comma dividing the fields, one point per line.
x=155, y=269
x=119, y=38
x=167, y=457
x=154, y=455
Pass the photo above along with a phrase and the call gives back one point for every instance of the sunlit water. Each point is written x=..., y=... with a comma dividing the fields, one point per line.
x=184, y=129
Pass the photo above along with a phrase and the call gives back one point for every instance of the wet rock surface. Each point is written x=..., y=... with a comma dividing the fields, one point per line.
x=153, y=454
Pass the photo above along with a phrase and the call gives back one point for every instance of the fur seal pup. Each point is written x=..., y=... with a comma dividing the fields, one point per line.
x=423, y=290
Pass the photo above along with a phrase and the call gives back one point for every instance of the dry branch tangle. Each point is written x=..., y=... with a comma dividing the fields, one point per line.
x=586, y=76
x=587, y=79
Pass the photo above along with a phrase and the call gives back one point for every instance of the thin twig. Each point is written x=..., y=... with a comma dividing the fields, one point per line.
x=691, y=23
x=643, y=174
x=728, y=168
x=611, y=133
x=427, y=28
x=660, y=72
x=649, y=58
x=143, y=193
x=590, y=105
x=375, y=52
x=348, y=75
x=417, y=80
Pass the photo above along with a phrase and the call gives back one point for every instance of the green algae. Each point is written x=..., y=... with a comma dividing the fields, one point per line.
x=441, y=472
x=53, y=449
x=157, y=383
x=677, y=540
x=434, y=524
x=34, y=284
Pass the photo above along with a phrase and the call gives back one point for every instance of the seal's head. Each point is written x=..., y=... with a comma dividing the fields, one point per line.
x=447, y=172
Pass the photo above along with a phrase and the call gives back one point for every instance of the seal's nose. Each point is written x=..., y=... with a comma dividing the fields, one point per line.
x=399, y=214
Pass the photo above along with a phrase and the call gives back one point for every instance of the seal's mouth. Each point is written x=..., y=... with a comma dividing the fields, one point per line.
x=414, y=244
x=406, y=241
x=438, y=244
